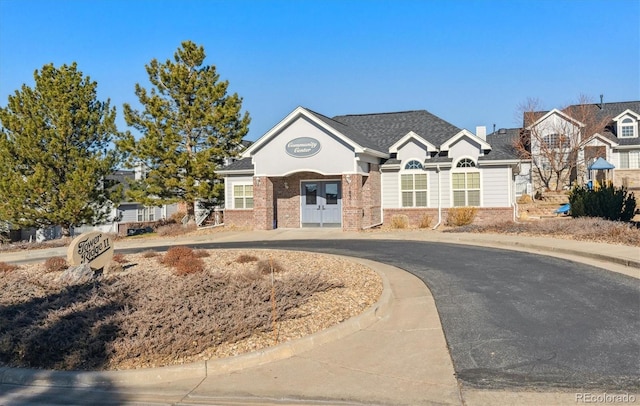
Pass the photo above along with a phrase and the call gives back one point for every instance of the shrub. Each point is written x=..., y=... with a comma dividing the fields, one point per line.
x=4, y=267
x=120, y=258
x=176, y=254
x=399, y=221
x=55, y=264
x=244, y=258
x=187, y=266
x=461, y=216
x=525, y=199
x=425, y=221
x=265, y=267
x=183, y=260
x=607, y=202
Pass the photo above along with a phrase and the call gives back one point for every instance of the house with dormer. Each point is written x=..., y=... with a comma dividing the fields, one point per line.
x=577, y=136
x=358, y=171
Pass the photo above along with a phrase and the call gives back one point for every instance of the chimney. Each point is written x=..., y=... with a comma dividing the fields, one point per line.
x=481, y=132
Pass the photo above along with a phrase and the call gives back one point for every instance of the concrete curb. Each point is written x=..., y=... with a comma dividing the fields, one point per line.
x=202, y=369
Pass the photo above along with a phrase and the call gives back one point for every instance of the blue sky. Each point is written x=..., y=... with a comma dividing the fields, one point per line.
x=468, y=62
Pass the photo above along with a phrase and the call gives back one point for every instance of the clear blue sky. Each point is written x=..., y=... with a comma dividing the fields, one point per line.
x=469, y=62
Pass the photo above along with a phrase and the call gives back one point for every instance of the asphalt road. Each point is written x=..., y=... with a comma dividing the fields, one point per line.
x=513, y=319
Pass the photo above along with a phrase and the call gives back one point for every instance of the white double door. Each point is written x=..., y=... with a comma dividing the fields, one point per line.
x=321, y=203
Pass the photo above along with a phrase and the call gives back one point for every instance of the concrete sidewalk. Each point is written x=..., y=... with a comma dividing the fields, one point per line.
x=395, y=353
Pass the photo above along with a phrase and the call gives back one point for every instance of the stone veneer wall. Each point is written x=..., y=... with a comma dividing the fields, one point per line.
x=263, y=203
x=628, y=177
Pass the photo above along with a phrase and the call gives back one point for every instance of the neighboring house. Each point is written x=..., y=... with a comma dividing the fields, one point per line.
x=358, y=171
x=126, y=212
x=600, y=130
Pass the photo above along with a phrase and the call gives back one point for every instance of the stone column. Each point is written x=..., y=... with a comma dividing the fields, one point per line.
x=263, y=212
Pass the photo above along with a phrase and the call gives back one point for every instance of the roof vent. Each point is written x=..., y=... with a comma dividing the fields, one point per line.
x=502, y=131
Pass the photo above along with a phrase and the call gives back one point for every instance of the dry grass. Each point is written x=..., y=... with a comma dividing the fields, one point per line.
x=56, y=264
x=244, y=258
x=173, y=230
x=120, y=258
x=399, y=221
x=146, y=316
x=4, y=267
x=425, y=221
x=583, y=229
x=460, y=216
x=150, y=254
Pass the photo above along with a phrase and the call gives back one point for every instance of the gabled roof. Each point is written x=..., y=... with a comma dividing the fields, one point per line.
x=412, y=135
x=629, y=112
x=552, y=112
x=464, y=133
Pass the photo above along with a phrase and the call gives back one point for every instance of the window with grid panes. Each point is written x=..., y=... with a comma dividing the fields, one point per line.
x=243, y=196
x=465, y=185
x=413, y=186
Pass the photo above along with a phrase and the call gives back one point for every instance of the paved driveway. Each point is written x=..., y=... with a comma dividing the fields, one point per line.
x=514, y=319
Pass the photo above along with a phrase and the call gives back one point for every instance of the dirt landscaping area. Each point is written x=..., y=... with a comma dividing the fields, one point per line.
x=143, y=312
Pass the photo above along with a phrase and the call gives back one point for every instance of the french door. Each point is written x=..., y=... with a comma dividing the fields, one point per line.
x=321, y=204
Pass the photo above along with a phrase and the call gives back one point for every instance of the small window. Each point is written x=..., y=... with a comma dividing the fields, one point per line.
x=243, y=196
x=413, y=164
x=466, y=163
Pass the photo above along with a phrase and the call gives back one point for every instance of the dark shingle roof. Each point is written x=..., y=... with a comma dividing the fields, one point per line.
x=243, y=164
x=384, y=129
x=502, y=145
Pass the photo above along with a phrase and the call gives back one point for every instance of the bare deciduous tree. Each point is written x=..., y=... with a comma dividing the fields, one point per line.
x=555, y=140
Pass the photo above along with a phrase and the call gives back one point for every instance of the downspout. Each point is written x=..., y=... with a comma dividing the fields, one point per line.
x=439, y=199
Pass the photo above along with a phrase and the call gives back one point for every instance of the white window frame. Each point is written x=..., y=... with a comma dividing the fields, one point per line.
x=632, y=160
x=627, y=122
x=146, y=213
x=466, y=170
x=413, y=191
x=243, y=198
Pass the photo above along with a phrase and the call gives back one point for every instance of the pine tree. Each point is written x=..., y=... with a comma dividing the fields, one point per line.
x=189, y=124
x=54, y=152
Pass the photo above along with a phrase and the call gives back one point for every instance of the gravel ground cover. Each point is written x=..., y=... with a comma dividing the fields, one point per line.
x=141, y=313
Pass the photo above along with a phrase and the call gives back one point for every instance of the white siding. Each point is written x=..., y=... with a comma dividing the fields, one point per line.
x=464, y=147
x=229, y=181
x=129, y=213
x=390, y=190
x=334, y=157
x=432, y=176
x=412, y=150
x=495, y=187
x=445, y=182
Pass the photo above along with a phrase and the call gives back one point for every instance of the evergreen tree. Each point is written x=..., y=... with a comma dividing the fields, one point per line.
x=54, y=152
x=189, y=124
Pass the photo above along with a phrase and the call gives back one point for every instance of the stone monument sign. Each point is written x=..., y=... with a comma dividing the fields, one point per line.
x=94, y=248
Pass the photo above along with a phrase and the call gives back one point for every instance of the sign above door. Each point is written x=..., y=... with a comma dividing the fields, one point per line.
x=303, y=147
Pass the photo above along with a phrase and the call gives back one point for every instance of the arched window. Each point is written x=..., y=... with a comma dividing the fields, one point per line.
x=465, y=183
x=466, y=163
x=627, y=128
x=413, y=164
x=413, y=185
